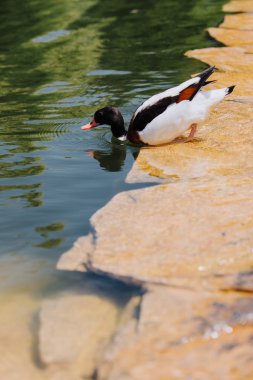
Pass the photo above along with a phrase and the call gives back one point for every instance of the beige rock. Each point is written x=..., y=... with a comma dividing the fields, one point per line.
x=197, y=235
x=137, y=175
x=75, y=329
x=185, y=335
x=234, y=37
x=243, y=21
x=235, y=60
x=239, y=6
x=18, y=358
x=240, y=34
x=74, y=259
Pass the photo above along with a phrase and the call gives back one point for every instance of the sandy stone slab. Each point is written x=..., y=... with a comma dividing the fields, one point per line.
x=196, y=235
x=16, y=337
x=74, y=259
x=181, y=334
x=233, y=38
x=241, y=21
x=231, y=59
x=239, y=6
x=138, y=175
x=75, y=328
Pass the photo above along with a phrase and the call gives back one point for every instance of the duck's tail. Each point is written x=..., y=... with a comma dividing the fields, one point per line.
x=230, y=89
x=193, y=89
x=204, y=76
x=213, y=96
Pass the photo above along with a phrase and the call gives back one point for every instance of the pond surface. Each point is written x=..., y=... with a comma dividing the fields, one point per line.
x=60, y=61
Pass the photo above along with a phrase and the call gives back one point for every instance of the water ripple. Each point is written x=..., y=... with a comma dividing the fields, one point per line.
x=51, y=36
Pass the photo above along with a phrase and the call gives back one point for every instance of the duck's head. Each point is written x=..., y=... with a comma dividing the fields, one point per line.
x=109, y=116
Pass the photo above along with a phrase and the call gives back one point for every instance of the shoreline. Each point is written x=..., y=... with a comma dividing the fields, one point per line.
x=196, y=263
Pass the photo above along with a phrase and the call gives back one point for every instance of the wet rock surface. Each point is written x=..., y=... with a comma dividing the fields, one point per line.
x=73, y=260
x=183, y=334
x=188, y=240
x=77, y=325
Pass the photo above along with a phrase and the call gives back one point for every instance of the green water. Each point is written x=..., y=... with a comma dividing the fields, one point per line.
x=61, y=60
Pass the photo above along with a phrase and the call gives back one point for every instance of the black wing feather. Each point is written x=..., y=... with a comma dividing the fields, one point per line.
x=146, y=115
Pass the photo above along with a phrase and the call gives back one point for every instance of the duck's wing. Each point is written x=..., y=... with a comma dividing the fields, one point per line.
x=158, y=103
x=177, y=118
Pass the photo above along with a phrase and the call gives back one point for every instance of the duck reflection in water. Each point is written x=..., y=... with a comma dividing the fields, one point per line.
x=113, y=157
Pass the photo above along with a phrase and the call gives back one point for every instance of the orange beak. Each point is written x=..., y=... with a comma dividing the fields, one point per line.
x=92, y=124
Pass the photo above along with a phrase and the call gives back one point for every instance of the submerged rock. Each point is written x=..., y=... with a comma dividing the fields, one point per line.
x=75, y=328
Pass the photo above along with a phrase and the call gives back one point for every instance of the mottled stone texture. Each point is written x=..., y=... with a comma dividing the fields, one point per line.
x=183, y=334
x=239, y=6
x=188, y=240
x=73, y=260
x=190, y=234
x=75, y=327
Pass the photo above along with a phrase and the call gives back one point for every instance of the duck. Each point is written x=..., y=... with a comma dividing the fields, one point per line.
x=165, y=116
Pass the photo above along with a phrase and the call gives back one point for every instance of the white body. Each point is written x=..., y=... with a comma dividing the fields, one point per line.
x=178, y=117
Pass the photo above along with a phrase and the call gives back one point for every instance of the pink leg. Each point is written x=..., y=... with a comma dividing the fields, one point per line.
x=192, y=133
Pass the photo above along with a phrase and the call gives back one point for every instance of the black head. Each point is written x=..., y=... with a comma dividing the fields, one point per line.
x=109, y=116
